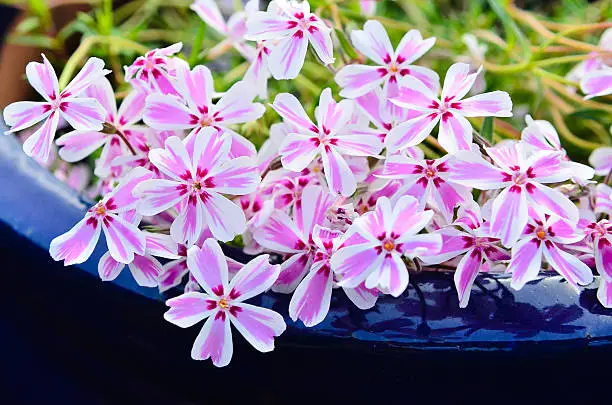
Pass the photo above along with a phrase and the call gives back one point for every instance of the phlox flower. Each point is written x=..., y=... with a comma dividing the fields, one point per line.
x=541, y=135
x=144, y=268
x=329, y=139
x=597, y=83
x=601, y=160
x=76, y=176
x=600, y=233
x=391, y=65
x=222, y=303
x=197, y=179
x=155, y=71
x=469, y=236
x=82, y=113
x=368, y=7
x=123, y=237
x=427, y=181
x=293, y=236
x=545, y=236
x=595, y=61
x=288, y=27
x=311, y=299
x=603, y=199
x=76, y=145
x=166, y=112
x=522, y=178
x=373, y=246
x=451, y=110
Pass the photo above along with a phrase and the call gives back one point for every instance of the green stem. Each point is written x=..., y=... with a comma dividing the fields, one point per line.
x=561, y=60
x=197, y=44
x=81, y=52
x=543, y=73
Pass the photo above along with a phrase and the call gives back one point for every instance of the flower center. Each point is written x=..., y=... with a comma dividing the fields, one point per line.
x=206, y=121
x=393, y=68
x=197, y=186
x=223, y=303
x=541, y=234
x=389, y=246
x=430, y=172
x=100, y=209
x=519, y=179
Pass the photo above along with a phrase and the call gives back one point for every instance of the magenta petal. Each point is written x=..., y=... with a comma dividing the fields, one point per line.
x=109, y=268
x=76, y=245
x=84, y=114
x=411, y=133
x=569, y=266
x=288, y=107
x=123, y=239
x=91, y=71
x=603, y=257
x=526, y=262
x=493, y=104
x=358, y=80
x=210, y=148
x=38, y=145
x=509, y=214
x=209, y=267
x=167, y=112
x=238, y=176
x=311, y=299
x=297, y=152
x=455, y=133
x=214, y=341
x=24, y=114
x=466, y=273
x=340, y=179
x=471, y=170
x=77, y=145
x=353, y=264
x=604, y=293
x=187, y=226
x=122, y=195
x=158, y=195
x=391, y=277
x=258, y=325
x=188, y=309
x=145, y=270
x=42, y=77
x=254, y=278
x=550, y=201
x=292, y=271
x=287, y=56
x=280, y=234
x=172, y=274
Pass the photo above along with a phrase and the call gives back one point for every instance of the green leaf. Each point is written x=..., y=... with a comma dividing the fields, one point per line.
x=510, y=27
x=487, y=129
x=28, y=24
x=592, y=114
x=346, y=44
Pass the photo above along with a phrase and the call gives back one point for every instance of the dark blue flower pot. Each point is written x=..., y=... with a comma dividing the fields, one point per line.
x=87, y=341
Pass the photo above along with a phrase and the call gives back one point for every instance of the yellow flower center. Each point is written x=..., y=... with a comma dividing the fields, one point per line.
x=389, y=246
x=223, y=303
x=541, y=234
x=100, y=210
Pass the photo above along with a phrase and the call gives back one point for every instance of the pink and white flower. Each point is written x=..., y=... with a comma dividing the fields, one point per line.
x=166, y=112
x=293, y=237
x=198, y=178
x=469, y=236
x=374, y=245
x=288, y=28
x=601, y=160
x=233, y=30
x=123, y=237
x=155, y=71
x=601, y=235
x=546, y=237
x=451, y=110
x=222, y=303
x=427, y=181
x=391, y=65
x=76, y=145
x=522, y=178
x=81, y=113
x=596, y=61
x=597, y=83
x=329, y=138
x=311, y=299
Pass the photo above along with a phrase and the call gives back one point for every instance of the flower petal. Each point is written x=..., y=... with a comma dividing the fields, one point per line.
x=254, y=278
x=458, y=82
x=547, y=200
x=287, y=57
x=321, y=41
x=391, y=277
x=187, y=226
x=455, y=133
x=604, y=292
x=603, y=258
x=157, y=195
x=38, y=145
x=91, y=71
x=262, y=26
x=210, y=148
x=85, y=114
x=223, y=217
x=238, y=176
x=316, y=200
x=122, y=194
x=214, y=341
x=570, y=267
x=340, y=179
x=258, y=325
x=188, y=309
x=292, y=271
x=411, y=133
x=466, y=273
x=413, y=46
x=373, y=42
x=42, y=77
x=493, y=104
x=209, y=12
x=311, y=299
x=23, y=114
x=288, y=107
x=209, y=267
x=363, y=298
x=526, y=262
x=237, y=106
x=509, y=214
x=109, y=268
x=597, y=83
x=357, y=80
x=77, y=145
x=123, y=239
x=76, y=245
x=297, y=152
x=145, y=270
x=167, y=112
x=471, y=170
x=355, y=263
x=280, y=234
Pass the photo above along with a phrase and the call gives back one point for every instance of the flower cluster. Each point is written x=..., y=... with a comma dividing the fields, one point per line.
x=342, y=199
